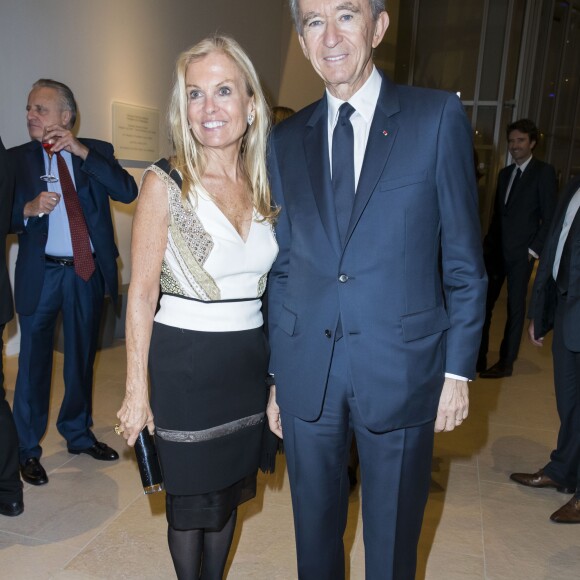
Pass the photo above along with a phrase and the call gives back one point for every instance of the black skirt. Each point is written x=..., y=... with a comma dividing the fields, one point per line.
x=208, y=399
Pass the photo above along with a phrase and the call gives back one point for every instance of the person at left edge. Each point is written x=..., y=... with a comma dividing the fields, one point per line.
x=10, y=485
x=48, y=277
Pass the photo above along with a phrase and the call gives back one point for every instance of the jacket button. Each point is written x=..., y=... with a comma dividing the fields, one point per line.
x=343, y=278
x=327, y=333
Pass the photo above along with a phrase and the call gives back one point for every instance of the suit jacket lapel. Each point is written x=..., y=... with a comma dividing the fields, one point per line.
x=559, y=216
x=316, y=151
x=503, y=183
x=381, y=139
x=81, y=180
x=35, y=161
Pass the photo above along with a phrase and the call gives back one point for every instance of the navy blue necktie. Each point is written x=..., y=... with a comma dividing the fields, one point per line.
x=514, y=184
x=343, y=168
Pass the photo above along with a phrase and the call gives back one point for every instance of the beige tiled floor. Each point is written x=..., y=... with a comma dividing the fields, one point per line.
x=92, y=522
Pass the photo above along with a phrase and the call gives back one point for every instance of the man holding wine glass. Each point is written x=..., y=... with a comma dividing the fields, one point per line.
x=66, y=263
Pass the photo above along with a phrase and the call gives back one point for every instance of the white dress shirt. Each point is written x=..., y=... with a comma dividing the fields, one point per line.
x=571, y=212
x=364, y=102
x=59, y=242
x=522, y=168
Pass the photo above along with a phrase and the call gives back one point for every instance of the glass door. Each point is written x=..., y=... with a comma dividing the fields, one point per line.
x=472, y=48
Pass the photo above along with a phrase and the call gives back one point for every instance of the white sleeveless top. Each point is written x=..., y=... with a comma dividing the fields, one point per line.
x=211, y=280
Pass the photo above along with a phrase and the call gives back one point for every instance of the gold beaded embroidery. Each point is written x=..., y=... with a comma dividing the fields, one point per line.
x=190, y=244
x=262, y=285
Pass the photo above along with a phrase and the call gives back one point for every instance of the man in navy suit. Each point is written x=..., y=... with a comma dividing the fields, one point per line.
x=368, y=333
x=54, y=276
x=524, y=205
x=556, y=306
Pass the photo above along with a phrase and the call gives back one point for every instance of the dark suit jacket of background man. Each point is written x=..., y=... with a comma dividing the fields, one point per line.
x=10, y=484
x=524, y=221
x=517, y=226
x=94, y=197
x=404, y=325
x=550, y=310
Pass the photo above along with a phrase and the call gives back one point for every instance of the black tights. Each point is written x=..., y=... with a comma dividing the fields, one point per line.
x=201, y=555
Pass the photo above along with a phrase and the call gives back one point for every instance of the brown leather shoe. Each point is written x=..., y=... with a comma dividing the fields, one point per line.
x=540, y=479
x=569, y=513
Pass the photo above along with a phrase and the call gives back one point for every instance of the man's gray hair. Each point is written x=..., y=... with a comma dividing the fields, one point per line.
x=377, y=6
x=67, y=98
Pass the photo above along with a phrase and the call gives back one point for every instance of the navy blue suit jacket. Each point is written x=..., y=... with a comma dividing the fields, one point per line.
x=97, y=178
x=406, y=321
x=544, y=293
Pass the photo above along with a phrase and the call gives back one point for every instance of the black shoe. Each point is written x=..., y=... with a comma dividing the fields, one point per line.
x=98, y=450
x=498, y=371
x=32, y=472
x=11, y=508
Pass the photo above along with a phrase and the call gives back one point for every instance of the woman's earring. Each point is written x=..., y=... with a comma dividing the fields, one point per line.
x=251, y=118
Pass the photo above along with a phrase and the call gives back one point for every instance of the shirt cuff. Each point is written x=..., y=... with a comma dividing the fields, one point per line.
x=457, y=377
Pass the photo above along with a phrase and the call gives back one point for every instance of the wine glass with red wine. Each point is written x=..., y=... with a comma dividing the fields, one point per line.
x=47, y=145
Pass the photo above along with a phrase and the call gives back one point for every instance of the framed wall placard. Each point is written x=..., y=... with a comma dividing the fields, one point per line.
x=135, y=132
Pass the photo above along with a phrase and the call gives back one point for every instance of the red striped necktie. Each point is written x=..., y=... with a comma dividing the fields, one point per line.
x=84, y=263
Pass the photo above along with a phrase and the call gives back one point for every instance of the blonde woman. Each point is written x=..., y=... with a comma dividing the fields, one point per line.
x=203, y=235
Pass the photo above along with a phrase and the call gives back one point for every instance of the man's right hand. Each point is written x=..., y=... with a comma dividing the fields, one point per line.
x=42, y=204
x=273, y=413
x=535, y=341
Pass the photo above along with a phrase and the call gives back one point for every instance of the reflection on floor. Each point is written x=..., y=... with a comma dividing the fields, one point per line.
x=92, y=521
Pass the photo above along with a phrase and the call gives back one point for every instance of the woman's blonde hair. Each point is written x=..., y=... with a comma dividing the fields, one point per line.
x=189, y=156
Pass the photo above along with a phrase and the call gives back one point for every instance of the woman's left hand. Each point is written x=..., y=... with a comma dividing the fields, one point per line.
x=134, y=414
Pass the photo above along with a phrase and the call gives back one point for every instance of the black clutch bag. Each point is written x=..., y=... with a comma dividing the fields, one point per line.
x=148, y=462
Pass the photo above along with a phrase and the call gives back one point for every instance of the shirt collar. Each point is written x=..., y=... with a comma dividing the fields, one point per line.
x=364, y=100
x=523, y=166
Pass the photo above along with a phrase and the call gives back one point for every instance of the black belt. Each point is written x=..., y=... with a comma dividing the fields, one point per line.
x=61, y=260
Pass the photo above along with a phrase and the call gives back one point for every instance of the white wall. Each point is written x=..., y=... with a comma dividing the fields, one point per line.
x=118, y=50
x=299, y=85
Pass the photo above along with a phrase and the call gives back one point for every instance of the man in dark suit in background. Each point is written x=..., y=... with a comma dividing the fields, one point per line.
x=66, y=262
x=367, y=333
x=556, y=304
x=524, y=204
x=10, y=485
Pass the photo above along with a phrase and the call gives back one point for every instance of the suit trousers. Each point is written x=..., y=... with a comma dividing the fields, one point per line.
x=395, y=477
x=10, y=484
x=518, y=276
x=81, y=305
x=564, y=465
